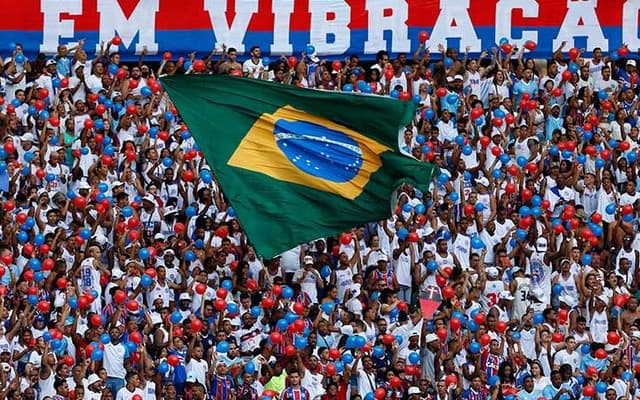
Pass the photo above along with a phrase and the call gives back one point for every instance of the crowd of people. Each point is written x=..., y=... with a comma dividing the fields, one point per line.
x=125, y=274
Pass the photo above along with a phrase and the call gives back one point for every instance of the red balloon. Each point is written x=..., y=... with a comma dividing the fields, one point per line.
x=557, y=337
x=566, y=75
x=292, y=61
x=479, y=318
x=557, y=92
x=166, y=56
x=298, y=308
x=563, y=315
x=526, y=194
x=624, y=145
x=441, y=92
x=496, y=151
x=485, y=339
x=7, y=259
x=268, y=303
x=501, y=326
x=592, y=371
x=201, y=288
x=404, y=96
x=388, y=339
x=119, y=296
x=497, y=122
x=476, y=113
x=44, y=306
x=442, y=334
x=334, y=354
x=627, y=209
x=132, y=305
x=380, y=393
x=395, y=382
x=606, y=105
x=509, y=118
x=448, y=292
x=484, y=141
x=219, y=304
x=589, y=391
x=133, y=84
x=413, y=237
x=441, y=280
x=601, y=354
x=196, y=325
x=132, y=109
x=573, y=53
x=275, y=337
x=121, y=73
x=198, y=65
x=116, y=41
x=388, y=74
x=468, y=209
x=222, y=293
x=623, y=51
x=530, y=45
x=451, y=380
x=423, y=36
x=507, y=47
x=173, y=360
x=613, y=338
x=510, y=188
x=455, y=324
x=290, y=351
x=513, y=170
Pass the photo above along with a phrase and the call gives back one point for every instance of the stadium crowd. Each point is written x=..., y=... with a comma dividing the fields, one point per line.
x=125, y=274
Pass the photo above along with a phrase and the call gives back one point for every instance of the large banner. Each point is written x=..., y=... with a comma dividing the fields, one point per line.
x=335, y=28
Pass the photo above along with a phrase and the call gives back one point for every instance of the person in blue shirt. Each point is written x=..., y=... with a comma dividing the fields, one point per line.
x=528, y=392
x=556, y=390
x=590, y=360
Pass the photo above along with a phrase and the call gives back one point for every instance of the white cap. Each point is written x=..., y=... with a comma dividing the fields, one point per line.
x=482, y=181
x=149, y=197
x=568, y=300
x=432, y=337
x=308, y=260
x=458, y=77
x=413, y=390
x=635, y=334
x=631, y=62
x=505, y=295
x=50, y=62
x=84, y=186
x=115, y=184
x=93, y=378
x=184, y=296
x=492, y=272
x=27, y=137
x=383, y=257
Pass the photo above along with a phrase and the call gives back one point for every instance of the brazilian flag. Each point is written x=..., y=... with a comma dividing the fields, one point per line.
x=298, y=164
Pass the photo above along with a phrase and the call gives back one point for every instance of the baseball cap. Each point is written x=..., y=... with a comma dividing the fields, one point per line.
x=51, y=62
x=184, y=296
x=383, y=257
x=413, y=390
x=149, y=197
x=116, y=184
x=631, y=62
x=158, y=236
x=432, y=337
x=505, y=295
x=84, y=185
x=27, y=137
x=492, y=272
x=482, y=181
x=541, y=244
x=458, y=77
x=635, y=334
x=308, y=260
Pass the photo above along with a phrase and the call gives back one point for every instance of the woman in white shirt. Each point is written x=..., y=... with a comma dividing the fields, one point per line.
x=500, y=86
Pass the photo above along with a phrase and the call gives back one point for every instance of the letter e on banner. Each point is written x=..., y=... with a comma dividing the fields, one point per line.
x=53, y=27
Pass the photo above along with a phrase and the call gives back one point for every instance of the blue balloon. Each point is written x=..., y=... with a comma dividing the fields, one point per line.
x=516, y=336
x=145, y=280
x=327, y=308
x=105, y=338
x=339, y=366
x=414, y=358
x=407, y=207
x=454, y=196
x=503, y=41
x=347, y=88
x=573, y=67
x=249, y=367
x=477, y=243
x=325, y=271
x=420, y=209
x=38, y=276
x=498, y=113
x=19, y=58
x=585, y=349
x=206, y=176
x=611, y=209
x=222, y=347
x=347, y=358
x=452, y=99
x=226, y=284
x=448, y=62
x=33, y=299
x=467, y=150
x=167, y=162
x=475, y=347
x=557, y=289
x=266, y=61
x=459, y=140
x=632, y=157
x=538, y=319
x=232, y=308
x=472, y=326
x=432, y=265
x=73, y=302
x=600, y=163
x=113, y=69
x=189, y=255
x=602, y=95
x=163, y=368
x=394, y=94
x=300, y=342
x=176, y=317
x=190, y=211
x=493, y=380
x=521, y=161
x=144, y=253
x=46, y=336
x=145, y=91
x=586, y=259
x=443, y=178
x=35, y=264
x=402, y=233
x=199, y=243
x=96, y=354
x=378, y=351
x=627, y=376
x=417, y=99
x=287, y=292
x=601, y=387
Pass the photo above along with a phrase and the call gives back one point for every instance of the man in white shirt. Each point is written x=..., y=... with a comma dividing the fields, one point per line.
x=253, y=67
x=131, y=388
x=309, y=279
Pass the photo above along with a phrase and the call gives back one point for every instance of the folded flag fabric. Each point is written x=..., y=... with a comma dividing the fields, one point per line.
x=298, y=164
